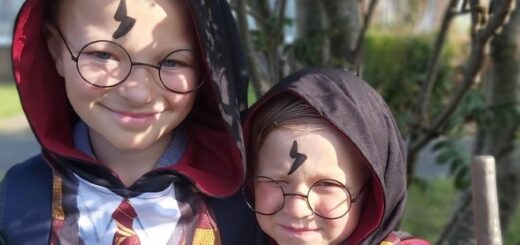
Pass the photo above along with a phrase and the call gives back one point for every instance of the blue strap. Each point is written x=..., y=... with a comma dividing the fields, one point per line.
x=25, y=203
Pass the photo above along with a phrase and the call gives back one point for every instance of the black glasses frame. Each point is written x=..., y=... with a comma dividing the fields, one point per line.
x=132, y=64
x=352, y=199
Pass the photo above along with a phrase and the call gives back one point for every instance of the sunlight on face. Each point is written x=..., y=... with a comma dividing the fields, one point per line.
x=134, y=114
x=329, y=156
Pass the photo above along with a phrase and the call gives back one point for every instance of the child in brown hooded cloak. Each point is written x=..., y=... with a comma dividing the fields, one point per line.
x=327, y=162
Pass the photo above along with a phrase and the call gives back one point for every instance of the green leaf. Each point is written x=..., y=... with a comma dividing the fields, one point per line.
x=442, y=144
x=444, y=157
x=462, y=179
x=455, y=165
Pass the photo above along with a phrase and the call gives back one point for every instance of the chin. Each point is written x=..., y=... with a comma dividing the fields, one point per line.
x=283, y=238
x=286, y=241
x=131, y=148
x=131, y=144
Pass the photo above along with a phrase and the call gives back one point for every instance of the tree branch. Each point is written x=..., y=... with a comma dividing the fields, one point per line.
x=479, y=41
x=256, y=16
x=277, y=40
x=433, y=65
x=475, y=16
x=263, y=7
x=278, y=28
x=252, y=63
x=360, y=39
x=458, y=216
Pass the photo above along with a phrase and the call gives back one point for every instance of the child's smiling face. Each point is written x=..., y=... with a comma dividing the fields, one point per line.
x=329, y=156
x=138, y=112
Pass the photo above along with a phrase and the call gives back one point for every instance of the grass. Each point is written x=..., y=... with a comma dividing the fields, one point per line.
x=429, y=209
x=512, y=236
x=10, y=105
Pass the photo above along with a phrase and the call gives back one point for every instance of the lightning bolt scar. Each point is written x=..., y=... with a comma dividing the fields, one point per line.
x=126, y=22
x=299, y=158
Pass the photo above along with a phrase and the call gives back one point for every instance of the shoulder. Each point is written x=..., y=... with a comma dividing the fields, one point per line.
x=402, y=238
x=29, y=181
x=24, y=185
x=414, y=241
x=236, y=222
x=33, y=171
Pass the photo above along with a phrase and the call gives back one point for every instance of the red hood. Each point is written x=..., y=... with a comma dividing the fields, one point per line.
x=214, y=157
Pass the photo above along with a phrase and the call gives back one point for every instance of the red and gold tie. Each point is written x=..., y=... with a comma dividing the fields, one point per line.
x=124, y=217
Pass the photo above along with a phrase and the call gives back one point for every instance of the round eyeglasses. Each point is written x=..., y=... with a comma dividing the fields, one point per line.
x=104, y=64
x=326, y=198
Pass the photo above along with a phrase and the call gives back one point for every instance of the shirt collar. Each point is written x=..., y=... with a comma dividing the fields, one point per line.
x=171, y=155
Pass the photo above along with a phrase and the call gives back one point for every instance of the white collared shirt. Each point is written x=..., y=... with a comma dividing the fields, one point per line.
x=157, y=214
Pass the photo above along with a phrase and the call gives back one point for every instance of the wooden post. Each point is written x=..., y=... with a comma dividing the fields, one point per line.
x=485, y=201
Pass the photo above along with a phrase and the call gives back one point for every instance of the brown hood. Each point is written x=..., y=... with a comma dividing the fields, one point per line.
x=359, y=112
x=214, y=160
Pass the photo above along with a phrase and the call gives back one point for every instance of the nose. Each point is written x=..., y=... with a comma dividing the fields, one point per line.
x=138, y=88
x=296, y=206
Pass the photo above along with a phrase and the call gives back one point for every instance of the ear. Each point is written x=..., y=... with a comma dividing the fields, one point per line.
x=55, y=46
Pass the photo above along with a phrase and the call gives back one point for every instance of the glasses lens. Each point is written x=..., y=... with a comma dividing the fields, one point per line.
x=329, y=199
x=104, y=63
x=268, y=196
x=177, y=74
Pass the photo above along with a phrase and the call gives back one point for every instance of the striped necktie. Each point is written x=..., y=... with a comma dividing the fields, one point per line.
x=124, y=216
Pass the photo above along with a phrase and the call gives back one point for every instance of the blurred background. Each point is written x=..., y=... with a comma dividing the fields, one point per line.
x=16, y=140
x=449, y=70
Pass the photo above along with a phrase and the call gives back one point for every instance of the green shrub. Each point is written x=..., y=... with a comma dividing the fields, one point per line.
x=396, y=66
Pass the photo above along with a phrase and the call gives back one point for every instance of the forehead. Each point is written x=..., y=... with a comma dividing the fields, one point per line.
x=318, y=140
x=157, y=21
x=328, y=152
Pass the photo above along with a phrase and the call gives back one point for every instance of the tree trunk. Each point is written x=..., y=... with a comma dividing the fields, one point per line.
x=497, y=135
x=259, y=80
x=506, y=92
x=344, y=21
x=311, y=35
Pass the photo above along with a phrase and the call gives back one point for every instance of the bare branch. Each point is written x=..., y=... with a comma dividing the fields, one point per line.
x=433, y=65
x=476, y=13
x=256, y=16
x=263, y=8
x=458, y=216
x=496, y=20
x=360, y=40
x=462, y=12
x=280, y=19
